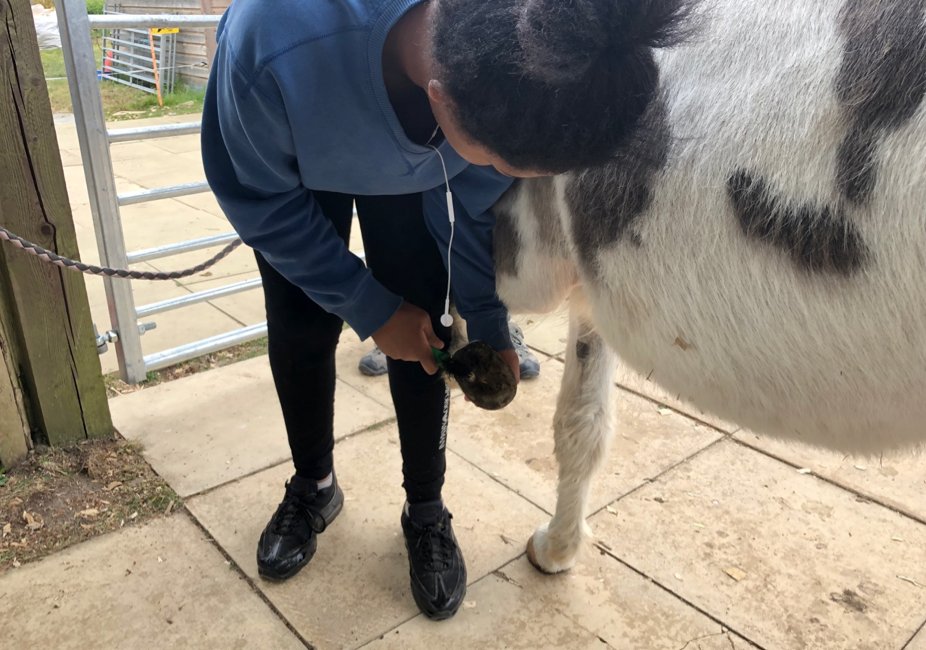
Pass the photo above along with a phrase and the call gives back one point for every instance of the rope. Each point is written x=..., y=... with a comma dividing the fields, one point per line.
x=73, y=265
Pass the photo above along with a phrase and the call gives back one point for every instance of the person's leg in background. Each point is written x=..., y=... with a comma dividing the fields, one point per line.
x=405, y=258
x=302, y=339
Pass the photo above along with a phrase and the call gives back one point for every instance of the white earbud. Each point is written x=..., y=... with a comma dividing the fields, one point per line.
x=446, y=319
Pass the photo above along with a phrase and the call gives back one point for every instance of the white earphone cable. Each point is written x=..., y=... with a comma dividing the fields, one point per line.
x=446, y=319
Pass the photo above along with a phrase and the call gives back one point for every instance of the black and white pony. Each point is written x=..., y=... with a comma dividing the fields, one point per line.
x=758, y=248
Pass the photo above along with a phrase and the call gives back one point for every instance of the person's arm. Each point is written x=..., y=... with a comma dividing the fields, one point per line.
x=250, y=163
x=472, y=264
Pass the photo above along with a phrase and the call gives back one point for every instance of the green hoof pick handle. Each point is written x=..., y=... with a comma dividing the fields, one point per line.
x=482, y=374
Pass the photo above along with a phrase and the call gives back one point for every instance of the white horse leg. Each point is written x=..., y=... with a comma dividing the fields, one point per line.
x=582, y=430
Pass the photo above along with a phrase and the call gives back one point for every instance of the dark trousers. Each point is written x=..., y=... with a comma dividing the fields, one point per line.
x=302, y=339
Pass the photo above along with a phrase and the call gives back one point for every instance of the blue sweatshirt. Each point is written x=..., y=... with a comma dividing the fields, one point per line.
x=296, y=102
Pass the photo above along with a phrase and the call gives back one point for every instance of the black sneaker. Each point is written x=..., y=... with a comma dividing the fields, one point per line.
x=436, y=566
x=289, y=540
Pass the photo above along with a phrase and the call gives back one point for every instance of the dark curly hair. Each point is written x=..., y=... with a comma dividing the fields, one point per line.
x=552, y=85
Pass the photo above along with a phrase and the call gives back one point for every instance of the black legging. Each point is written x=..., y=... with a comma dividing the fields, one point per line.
x=302, y=339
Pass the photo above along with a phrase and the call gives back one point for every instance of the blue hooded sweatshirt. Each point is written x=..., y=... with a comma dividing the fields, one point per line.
x=296, y=102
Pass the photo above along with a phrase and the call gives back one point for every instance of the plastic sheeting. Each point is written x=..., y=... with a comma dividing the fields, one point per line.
x=46, y=27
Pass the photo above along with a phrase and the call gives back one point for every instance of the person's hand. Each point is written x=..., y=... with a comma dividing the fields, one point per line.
x=409, y=336
x=511, y=358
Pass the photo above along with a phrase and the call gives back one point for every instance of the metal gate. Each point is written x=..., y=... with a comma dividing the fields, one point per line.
x=145, y=59
x=75, y=26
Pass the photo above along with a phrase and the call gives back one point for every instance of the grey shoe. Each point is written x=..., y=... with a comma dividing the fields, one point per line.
x=373, y=363
x=530, y=367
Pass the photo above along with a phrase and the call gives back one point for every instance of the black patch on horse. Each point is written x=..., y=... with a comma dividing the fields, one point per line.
x=583, y=349
x=881, y=83
x=589, y=346
x=607, y=202
x=545, y=212
x=818, y=239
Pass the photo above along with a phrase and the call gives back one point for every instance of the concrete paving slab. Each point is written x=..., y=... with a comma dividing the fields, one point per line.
x=180, y=143
x=623, y=608
x=637, y=383
x=185, y=326
x=213, y=427
x=165, y=222
x=162, y=585
x=145, y=292
x=517, y=607
x=77, y=186
x=356, y=587
x=125, y=154
x=350, y=351
x=548, y=333
x=897, y=480
x=240, y=261
x=784, y=558
x=246, y=307
x=86, y=238
x=516, y=444
x=66, y=131
x=87, y=244
x=919, y=641
x=205, y=202
x=496, y=614
x=70, y=157
x=174, y=327
x=157, y=168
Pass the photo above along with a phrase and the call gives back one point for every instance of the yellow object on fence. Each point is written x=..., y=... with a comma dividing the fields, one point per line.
x=152, y=32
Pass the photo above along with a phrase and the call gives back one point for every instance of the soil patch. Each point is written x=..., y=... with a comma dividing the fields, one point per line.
x=58, y=497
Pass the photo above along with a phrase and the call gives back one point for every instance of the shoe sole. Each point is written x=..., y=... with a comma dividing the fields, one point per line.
x=268, y=573
x=436, y=615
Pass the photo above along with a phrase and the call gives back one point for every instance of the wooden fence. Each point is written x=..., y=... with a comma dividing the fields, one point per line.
x=51, y=387
x=195, y=47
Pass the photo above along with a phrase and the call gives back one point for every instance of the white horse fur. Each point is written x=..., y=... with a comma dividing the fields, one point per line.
x=758, y=248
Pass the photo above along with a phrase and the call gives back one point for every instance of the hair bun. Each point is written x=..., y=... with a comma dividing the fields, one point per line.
x=561, y=39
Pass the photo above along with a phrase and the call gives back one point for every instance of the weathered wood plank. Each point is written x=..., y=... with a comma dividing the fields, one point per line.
x=14, y=421
x=61, y=370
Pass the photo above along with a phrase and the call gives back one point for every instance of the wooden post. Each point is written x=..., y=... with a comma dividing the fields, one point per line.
x=14, y=423
x=49, y=350
x=211, y=45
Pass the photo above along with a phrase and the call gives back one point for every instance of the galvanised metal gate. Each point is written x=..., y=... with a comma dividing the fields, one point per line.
x=75, y=26
x=144, y=59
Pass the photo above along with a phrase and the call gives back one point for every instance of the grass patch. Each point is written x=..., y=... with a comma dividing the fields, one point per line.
x=58, y=497
x=258, y=347
x=120, y=102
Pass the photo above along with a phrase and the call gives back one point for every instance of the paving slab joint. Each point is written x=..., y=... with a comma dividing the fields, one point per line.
x=250, y=582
